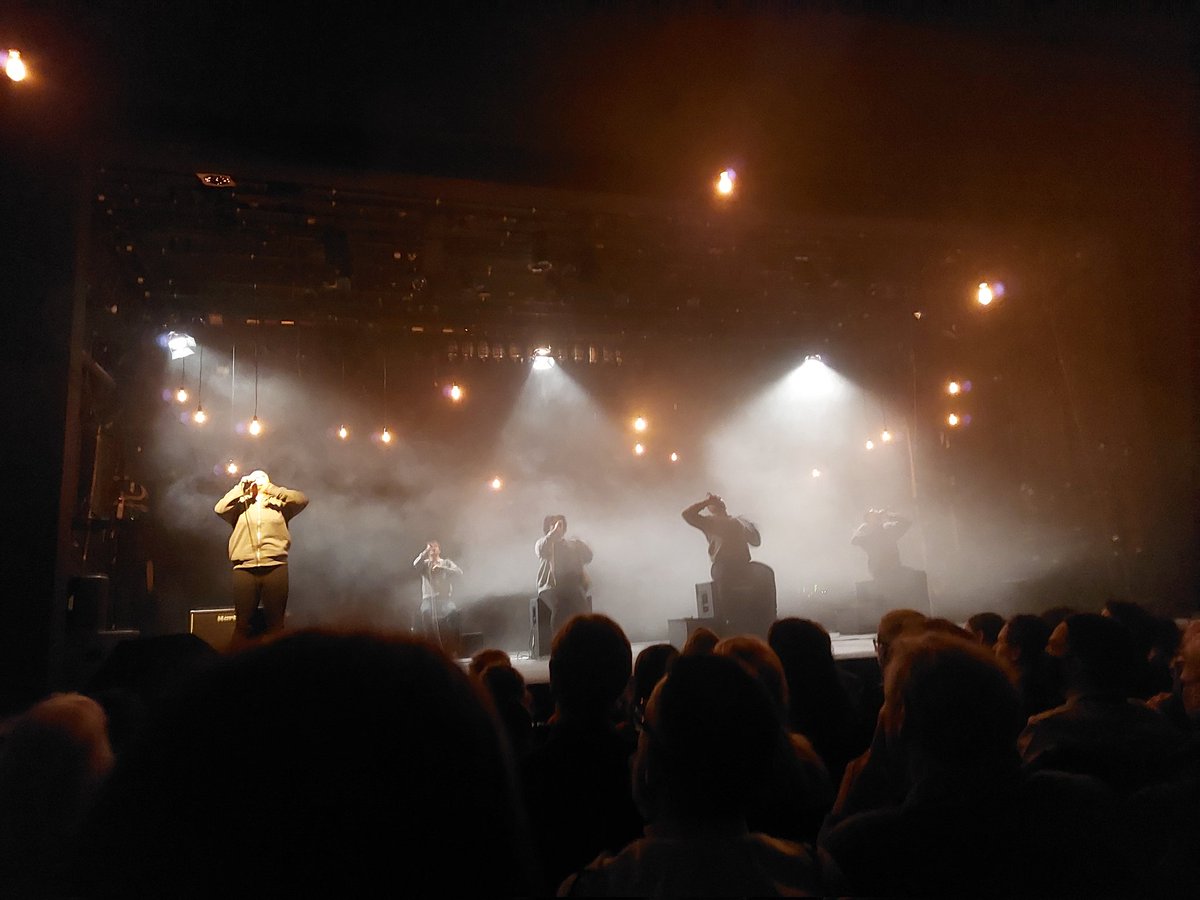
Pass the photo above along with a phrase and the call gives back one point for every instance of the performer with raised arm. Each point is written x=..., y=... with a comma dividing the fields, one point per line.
x=438, y=617
x=729, y=537
x=879, y=536
x=744, y=590
x=562, y=580
x=258, y=512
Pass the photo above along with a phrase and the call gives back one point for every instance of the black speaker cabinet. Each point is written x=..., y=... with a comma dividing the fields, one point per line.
x=213, y=626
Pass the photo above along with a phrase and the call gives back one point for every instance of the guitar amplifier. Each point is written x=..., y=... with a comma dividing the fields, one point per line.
x=213, y=626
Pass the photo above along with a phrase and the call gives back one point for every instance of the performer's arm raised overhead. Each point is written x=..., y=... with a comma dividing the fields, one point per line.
x=692, y=515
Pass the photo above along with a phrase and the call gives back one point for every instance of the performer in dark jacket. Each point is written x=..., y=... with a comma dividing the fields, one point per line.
x=562, y=579
x=259, y=512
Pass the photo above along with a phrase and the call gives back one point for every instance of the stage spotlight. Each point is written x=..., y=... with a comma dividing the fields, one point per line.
x=231, y=467
x=255, y=427
x=455, y=393
x=542, y=360
x=815, y=379
x=952, y=420
x=885, y=436
x=870, y=445
x=181, y=395
x=343, y=432
x=181, y=345
x=953, y=388
x=674, y=457
x=385, y=435
x=496, y=483
x=14, y=66
x=639, y=424
x=984, y=295
x=638, y=450
x=725, y=183
x=816, y=473
x=199, y=416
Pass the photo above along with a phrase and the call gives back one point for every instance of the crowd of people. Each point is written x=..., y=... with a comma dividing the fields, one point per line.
x=1039, y=755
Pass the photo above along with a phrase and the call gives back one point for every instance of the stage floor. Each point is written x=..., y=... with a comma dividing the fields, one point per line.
x=845, y=647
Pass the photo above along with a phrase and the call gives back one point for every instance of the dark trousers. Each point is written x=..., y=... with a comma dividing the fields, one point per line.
x=564, y=604
x=265, y=586
x=446, y=631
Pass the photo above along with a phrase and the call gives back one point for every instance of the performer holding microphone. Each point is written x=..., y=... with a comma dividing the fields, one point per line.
x=438, y=616
x=258, y=513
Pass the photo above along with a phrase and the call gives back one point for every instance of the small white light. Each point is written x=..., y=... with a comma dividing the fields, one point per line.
x=953, y=388
x=496, y=483
x=885, y=436
x=725, y=183
x=870, y=444
x=639, y=424
x=343, y=432
x=455, y=393
x=674, y=457
x=385, y=435
x=255, y=427
x=638, y=449
x=952, y=420
x=231, y=467
x=542, y=360
x=816, y=473
x=181, y=395
x=199, y=416
x=984, y=295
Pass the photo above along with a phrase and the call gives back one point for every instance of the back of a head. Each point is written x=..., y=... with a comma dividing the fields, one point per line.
x=892, y=625
x=986, y=627
x=760, y=661
x=1029, y=633
x=548, y=522
x=805, y=650
x=1099, y=651
x=700, y=641
x=308, y=743
x=485, y=659
x=651, y=665
x=955, y=703
x=711, y=735
x=505, y=685
x=590, y=664
x=52, y=758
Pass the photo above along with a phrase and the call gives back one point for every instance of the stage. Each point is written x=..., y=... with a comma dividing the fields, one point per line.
x=846, y=648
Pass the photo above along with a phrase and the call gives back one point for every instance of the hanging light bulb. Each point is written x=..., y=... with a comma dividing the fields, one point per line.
x=638, y=449
x=255, y=427
x=385, y=436
x=343, y=432
x=14, y=66
x=870, y=444
x=231, y=467
x=496, y=483
x=885, y=436
x=199, y=416
x=639, y=424
x=674, y=457
x=455, y=393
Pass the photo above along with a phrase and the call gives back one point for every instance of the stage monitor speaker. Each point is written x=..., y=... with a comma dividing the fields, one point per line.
x=87, y=604
x=213, y=626
x=539, y=629
x=706, y=600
